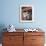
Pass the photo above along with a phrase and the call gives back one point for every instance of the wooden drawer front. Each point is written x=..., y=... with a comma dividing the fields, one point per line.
x=27, y=41
x=13, y=33
x=37, y=39
x=13, y=40
x=5, y=39
x=34, y=33
x=37, y=45
x=12, y=44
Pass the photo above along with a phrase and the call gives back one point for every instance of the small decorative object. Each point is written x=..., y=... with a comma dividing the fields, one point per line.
x=26, y=13
x=11, y=28
x=26, y=30
x=31, y=30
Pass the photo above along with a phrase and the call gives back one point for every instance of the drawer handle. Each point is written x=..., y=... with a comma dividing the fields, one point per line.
x=11, y=38
x=33, y=39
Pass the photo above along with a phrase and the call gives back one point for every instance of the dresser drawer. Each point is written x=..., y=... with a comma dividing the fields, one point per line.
x=13, y=44
x=37, y=39
x=13, y=33
x=37, y=44
x=34, y=33
x=27, y=40
x=12, y=39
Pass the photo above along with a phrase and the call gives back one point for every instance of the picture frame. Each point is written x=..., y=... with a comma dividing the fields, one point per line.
x=26, y=13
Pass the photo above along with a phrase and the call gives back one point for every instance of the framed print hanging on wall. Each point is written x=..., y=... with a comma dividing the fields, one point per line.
x=26, y=13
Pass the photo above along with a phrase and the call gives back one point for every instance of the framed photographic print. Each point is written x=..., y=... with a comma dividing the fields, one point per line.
x=26, y=13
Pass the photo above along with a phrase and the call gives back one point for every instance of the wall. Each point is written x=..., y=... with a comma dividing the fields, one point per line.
x=9, y=13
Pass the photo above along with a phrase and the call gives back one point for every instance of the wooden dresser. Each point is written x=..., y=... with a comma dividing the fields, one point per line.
x=23, y=39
